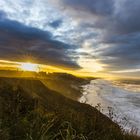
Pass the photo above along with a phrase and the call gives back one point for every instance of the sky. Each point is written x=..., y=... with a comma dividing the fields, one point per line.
x=86, y=36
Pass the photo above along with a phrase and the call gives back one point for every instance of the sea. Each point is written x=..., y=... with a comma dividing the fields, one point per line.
x=117, y=99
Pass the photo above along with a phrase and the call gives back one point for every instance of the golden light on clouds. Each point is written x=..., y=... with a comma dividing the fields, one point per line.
x=90, y=65
x=28, y=66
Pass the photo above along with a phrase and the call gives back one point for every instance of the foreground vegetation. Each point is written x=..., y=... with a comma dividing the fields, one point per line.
x=31, y=111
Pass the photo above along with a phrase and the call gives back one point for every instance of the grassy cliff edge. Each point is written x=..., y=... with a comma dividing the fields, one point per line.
x=31, y=111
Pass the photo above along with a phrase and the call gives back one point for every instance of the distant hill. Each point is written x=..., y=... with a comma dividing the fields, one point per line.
x=66, y=84
x=13, y=73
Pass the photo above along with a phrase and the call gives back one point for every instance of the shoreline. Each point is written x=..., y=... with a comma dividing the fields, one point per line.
x=110, y=99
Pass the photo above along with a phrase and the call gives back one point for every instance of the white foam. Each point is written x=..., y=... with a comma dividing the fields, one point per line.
x=125, y=103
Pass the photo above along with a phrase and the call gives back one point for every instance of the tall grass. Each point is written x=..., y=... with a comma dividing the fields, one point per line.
x=25, y=118
x=21, y=118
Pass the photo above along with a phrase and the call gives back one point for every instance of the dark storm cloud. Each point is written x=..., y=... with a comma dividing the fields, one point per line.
x=2, y=14
x=111, y=27
x=119, y=24
x=18, y=41
x=123, y=52
x=127, y=17
x=56, y=23
x=98, y=7
x=122, y=15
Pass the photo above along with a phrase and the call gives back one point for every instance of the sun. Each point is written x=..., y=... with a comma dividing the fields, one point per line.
x=29, y=67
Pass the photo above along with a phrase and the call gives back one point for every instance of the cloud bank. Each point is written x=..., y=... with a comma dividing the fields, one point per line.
x=65, y=31
x=19, y=42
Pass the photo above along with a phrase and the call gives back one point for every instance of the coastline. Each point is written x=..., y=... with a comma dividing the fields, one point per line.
x=109, y=98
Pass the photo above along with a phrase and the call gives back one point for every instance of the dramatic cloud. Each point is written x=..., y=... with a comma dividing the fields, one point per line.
x=118, y=24
x=18, y=41
x=106, y=32
x=97, y=7
x=56, y=23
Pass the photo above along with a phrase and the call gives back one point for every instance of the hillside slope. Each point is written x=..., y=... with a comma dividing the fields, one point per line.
x=34, y=95
x=66, y=84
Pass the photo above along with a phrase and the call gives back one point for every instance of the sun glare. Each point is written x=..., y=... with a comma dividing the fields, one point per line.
x=29, y=67
x=90, y=65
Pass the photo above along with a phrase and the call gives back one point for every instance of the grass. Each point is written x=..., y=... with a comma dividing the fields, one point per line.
x=23, y=118
x=31, y=111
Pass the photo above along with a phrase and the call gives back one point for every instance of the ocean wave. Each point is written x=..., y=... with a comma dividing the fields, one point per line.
x=124, y=101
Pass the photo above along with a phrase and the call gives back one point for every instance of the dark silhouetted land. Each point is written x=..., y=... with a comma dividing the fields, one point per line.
x=34, y=109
